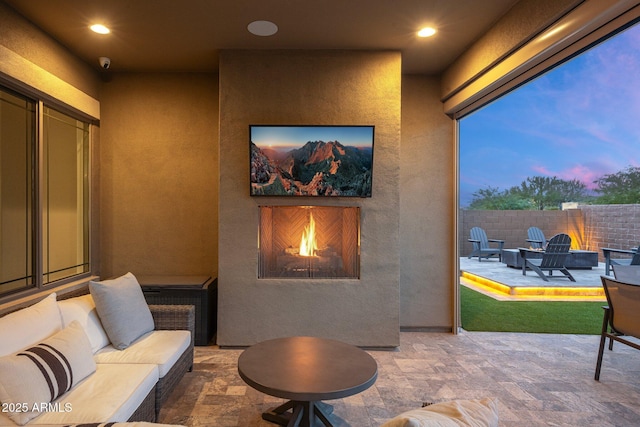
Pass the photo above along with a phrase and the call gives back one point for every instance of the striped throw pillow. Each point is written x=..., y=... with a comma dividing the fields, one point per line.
x=43, y=372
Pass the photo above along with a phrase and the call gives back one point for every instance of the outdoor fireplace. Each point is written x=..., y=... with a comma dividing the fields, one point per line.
x=309, y=242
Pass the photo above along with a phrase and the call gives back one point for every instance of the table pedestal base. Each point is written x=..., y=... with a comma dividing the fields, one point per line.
x=296, y=413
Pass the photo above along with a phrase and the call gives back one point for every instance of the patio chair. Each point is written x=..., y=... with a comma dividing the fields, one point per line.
x=627, y=273
x=621, y=316
x=608, y=261
x=536, y=239
x=481, y=245
x=553, y=258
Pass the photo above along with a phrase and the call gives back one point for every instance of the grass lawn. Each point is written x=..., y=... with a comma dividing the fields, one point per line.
x=482, y=313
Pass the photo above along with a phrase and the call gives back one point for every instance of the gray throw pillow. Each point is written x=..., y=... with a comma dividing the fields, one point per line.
x=122, y=309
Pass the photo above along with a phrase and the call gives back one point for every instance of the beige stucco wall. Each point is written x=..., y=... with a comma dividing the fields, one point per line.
x=21, y=38
x=427, y=203
x=309, y=87
x=159, y=167
x=525, y=19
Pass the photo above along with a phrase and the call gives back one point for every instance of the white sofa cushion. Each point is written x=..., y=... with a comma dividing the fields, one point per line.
x=42, y=373
x=30, y=325
x=111, y=394
x=162, y=348
x=131, y=424
x=83, y=309
x=456, y=413
x=123, y=311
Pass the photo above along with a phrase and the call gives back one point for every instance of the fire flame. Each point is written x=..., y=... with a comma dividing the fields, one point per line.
x=308, y=244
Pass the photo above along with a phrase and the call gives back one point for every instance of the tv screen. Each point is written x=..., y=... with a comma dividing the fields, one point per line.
x=311, y=160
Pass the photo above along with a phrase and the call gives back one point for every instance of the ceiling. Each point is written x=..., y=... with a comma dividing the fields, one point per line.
x=187, y=35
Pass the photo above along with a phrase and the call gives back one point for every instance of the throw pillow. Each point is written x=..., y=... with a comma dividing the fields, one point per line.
x=122, y=309
x=29, y=325
x=456, y=413
x=40, y=374
x=83, y=309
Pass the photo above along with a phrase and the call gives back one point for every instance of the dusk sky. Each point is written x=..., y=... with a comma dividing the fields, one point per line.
x=288, y=137
x=580, y=120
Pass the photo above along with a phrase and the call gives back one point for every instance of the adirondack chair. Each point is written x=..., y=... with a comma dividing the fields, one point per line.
x=481, y=245
x=608, y=261
x=536, y=239
x=553, y=258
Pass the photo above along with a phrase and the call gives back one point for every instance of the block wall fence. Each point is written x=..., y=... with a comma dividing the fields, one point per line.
x=591, y=227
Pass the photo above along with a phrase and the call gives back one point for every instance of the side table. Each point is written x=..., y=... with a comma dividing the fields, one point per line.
x=199, y=291
x=306, y=370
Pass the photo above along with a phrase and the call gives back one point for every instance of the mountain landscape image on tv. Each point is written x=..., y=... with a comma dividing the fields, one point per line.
x=311, y=160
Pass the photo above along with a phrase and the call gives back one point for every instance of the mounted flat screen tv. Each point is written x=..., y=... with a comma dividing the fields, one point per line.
x=333, y=161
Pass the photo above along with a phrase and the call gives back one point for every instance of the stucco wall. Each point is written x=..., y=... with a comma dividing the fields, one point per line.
x=309, y=87
x=525, y=19
x=159, y=166
x=427, y=166
x=28, y=41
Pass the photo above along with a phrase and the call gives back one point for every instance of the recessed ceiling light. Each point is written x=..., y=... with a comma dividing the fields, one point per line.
x=426, y=32
x=100, y=29
x=262, y=28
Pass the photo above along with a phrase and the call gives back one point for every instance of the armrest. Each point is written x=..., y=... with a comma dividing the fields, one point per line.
x=499, y=242
x=474, y=240
x=175, y=317
x=618, y=251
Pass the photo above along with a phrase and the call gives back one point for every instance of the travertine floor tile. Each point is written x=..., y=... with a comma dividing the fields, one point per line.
x=538, y=379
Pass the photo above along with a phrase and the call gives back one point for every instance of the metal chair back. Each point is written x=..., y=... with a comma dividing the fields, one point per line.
x=624, y=303
x=627, y=273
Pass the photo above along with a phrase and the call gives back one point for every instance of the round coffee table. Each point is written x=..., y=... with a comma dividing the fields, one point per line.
x=306, y=370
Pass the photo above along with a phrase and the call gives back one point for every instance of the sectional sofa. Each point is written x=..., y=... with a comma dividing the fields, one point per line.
x=102, y=356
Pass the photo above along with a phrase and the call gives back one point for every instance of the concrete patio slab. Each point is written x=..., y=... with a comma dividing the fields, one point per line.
x=494, y=278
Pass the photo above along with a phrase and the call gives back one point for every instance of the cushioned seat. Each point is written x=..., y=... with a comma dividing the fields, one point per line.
x=162, y=348
x=119, y=388
x=130, y=424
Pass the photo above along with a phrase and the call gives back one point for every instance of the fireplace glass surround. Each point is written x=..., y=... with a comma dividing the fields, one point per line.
x=318, y=242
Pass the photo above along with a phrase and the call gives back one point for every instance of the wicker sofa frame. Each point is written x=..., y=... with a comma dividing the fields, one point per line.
x=147, y=409
x=174, y=317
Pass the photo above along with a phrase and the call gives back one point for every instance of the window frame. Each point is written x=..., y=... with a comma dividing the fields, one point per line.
x=590, y=23
x=39, y=284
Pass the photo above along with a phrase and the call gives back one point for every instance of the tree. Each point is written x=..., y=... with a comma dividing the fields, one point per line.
x=535, y=193
x=622, y=187
x=548, y=192
x=491, y=198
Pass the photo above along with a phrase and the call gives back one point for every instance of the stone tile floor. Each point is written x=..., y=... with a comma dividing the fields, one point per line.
x=538, y=379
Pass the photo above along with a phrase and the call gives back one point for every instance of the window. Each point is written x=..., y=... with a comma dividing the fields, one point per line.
x=44, y=194
x=17, y=144
x=65, y=190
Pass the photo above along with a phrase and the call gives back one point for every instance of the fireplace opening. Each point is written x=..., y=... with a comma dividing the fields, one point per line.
x=309, y=242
